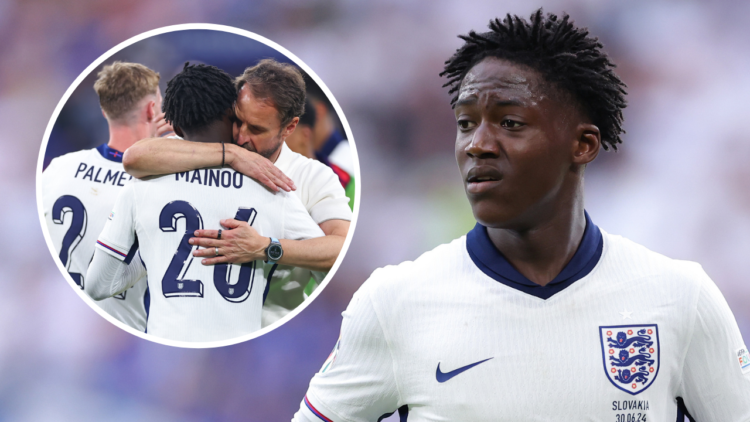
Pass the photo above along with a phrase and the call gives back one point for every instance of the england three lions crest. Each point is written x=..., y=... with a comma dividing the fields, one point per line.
x=631, y=355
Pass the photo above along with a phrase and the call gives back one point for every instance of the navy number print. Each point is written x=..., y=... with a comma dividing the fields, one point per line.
x=64, y=205
x=240, y=290
x=172, y=285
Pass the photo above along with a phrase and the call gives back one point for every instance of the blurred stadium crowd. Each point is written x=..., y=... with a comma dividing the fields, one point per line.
x=680, y=183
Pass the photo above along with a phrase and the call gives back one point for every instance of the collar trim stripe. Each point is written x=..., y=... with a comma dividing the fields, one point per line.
x=110, y=154
x=491, y=261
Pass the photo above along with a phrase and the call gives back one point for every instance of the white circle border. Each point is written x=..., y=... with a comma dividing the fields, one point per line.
x=211, y=27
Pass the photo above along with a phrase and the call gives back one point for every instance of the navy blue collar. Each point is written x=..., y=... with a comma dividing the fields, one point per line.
x=325, y=151
x=110, y=153
x=492, y=262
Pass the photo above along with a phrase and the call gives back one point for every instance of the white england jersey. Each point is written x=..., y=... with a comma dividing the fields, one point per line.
x=623, y=334
x=190, y=301
x=318, y=187
x=79, y=190
x=321, y=193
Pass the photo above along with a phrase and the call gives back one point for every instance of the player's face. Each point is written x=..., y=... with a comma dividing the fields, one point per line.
x=514, y=143
x=257, y=127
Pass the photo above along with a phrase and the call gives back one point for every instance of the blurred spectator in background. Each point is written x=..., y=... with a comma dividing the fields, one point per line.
x=301, y=140
x=329, y=144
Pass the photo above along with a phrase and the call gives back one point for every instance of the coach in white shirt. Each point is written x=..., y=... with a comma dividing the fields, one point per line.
x=195, y=303
x=265, y=118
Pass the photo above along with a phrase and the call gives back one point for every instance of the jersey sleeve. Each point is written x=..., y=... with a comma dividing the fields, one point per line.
x=297, y=222
x=357, y=382
x=109, y=276
x=326, y=198
x=716, y=376
x=118, y=236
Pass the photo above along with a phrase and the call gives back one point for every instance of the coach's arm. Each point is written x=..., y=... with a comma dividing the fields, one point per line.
x=157, y=156
x=240, y=243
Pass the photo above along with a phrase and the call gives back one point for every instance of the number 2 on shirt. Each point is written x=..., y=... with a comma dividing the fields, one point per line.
x=64, y=205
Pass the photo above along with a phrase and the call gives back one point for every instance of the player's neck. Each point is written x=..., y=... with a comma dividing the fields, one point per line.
x=208, y=137
x=547, y=243
x=275, y=155
x=212, y=133
x=202, y=137
x=121, y=137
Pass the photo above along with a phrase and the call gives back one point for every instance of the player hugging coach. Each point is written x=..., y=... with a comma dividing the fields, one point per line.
x=536, y=314
x=195, y=303
x=270, y=98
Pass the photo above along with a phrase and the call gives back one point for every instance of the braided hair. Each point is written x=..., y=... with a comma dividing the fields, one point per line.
x=562, y=53
x=197, y=96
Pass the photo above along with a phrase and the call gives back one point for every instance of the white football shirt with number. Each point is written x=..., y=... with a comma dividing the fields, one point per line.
x=190, y=301
x=621, y=335
x=78, y=192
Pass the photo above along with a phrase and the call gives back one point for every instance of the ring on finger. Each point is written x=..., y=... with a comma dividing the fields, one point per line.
x=216, y=250
x=219, y=236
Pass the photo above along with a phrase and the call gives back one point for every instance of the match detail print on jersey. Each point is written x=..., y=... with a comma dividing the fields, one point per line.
x=744, y=359
x=445, y=376
x=631, y=356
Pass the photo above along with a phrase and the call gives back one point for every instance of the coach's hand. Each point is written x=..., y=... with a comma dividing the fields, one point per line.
x=239, y=243
x=258, y=168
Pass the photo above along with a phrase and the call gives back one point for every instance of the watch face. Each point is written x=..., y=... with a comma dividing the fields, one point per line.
x=274, y=252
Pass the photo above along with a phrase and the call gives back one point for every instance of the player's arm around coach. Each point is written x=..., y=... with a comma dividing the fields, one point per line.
x=264, y=120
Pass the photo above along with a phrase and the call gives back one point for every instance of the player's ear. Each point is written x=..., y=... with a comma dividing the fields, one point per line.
x=290, y=128
x=587, y=144
x=151, y=111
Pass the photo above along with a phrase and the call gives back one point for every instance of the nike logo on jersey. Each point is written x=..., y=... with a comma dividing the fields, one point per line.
x=445, y=376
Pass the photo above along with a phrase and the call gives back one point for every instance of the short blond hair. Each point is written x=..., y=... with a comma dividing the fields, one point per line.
x=122, y=85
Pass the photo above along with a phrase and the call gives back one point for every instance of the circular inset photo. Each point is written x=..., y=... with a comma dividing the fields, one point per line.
x=198, y=185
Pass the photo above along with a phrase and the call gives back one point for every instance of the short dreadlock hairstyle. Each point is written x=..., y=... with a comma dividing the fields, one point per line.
x=197, y=96
x=562, y=53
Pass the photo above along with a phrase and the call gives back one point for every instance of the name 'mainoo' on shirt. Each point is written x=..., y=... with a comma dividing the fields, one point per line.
x=209, y=177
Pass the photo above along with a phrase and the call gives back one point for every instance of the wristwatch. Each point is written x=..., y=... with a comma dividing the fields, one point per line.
x=274, y=251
